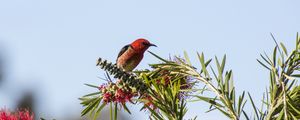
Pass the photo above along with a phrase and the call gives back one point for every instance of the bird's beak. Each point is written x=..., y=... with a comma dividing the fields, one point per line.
x=152, y=45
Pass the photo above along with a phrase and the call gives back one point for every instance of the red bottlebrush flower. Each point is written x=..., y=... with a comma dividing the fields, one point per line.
x=5, y=115
x=123, y=96
x=107, y=97
x=129, y=96
x=119, y=92
x=25, y=115
x=20, y=115
x=120, y=95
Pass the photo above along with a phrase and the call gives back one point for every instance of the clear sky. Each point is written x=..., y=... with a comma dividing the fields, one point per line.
x=51, y=46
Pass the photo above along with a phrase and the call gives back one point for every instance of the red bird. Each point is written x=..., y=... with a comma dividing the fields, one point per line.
x=131, y=55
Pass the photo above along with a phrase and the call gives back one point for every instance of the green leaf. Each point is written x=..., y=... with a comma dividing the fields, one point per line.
x=90, y=106
x=201, y=59
x=275, y=42
x=154, y=113
x=218, y=66
x=266, y=59
x=95, y=107
x=126, y=108
x=99, y=110
x=274, y=56
x=283, y=48
x=94, y=86
x=181, y=111
x=280, y=62
x=228, y=76
x=224, y=112
x=187, y=58
x=206, y=64
x=240, y=102
x=223, y=63
x=293, y=108
x=294, y=117
x=158, y=57
x=296, y=75
x=92, y=94
x=280, y=117
x=232, y=96
x=253, y=105
x=246, y=116
x=209, y=100
x=86, y=101
x=263, y=64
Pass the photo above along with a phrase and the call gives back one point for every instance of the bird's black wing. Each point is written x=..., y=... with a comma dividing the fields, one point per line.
x=123, y=50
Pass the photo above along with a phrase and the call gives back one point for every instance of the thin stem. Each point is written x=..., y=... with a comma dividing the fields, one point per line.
x=215, y=90
x=286, y=69
x=116, y=111
x=111, y=115
x=284, y=101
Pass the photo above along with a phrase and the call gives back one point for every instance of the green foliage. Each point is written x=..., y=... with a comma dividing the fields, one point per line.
x=221, y=84
x=166, y=88
x=282, y=97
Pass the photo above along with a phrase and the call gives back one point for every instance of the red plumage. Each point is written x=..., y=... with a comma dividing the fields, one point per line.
x=131, y=55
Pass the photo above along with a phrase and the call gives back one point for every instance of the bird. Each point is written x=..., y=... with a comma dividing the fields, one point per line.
x=132, y=54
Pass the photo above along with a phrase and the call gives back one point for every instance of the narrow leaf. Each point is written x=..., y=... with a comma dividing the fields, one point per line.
x=263, y=64
x=126, y=108
x=158, y=57
x=253, y=105
x=99, y=110
x=283, y=48
x=94, y=86
x=187, y=58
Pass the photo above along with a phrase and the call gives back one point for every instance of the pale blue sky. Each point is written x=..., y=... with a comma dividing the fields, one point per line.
x=51, y=46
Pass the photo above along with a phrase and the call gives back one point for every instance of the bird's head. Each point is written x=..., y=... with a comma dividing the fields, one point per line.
x=141, y=45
